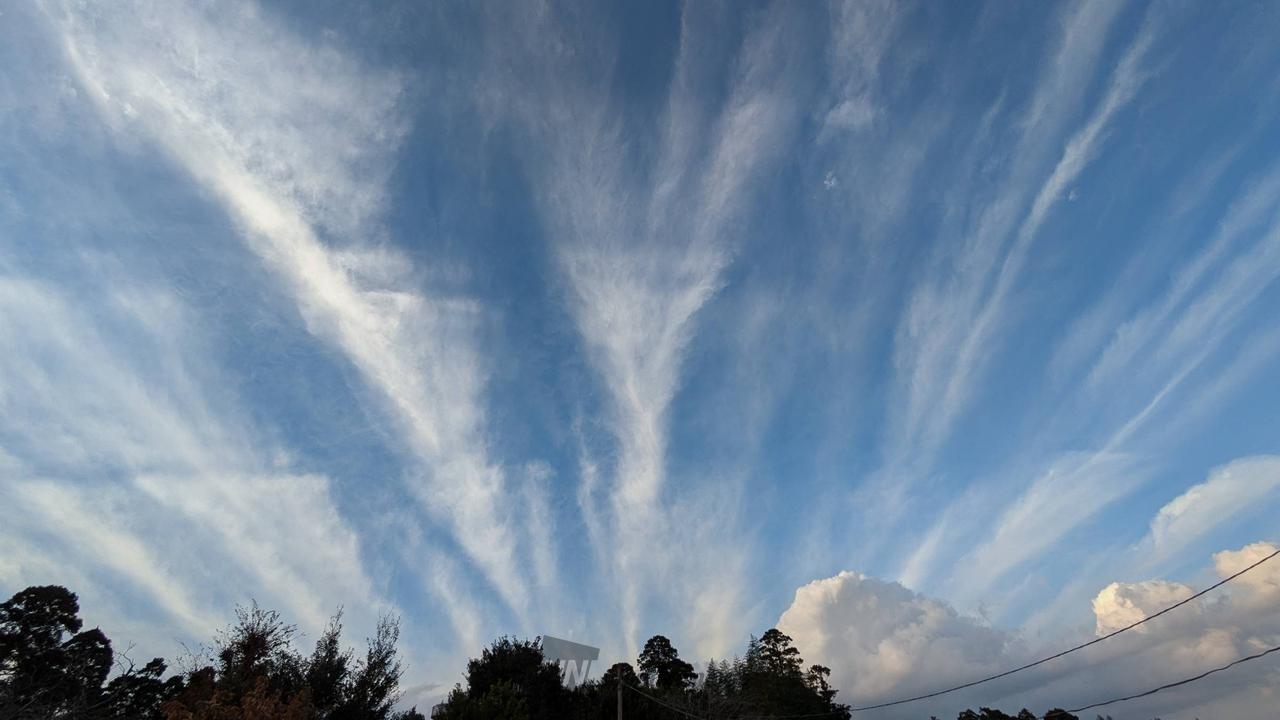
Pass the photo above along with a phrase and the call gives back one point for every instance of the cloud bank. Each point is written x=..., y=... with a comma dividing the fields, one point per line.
x=884, y=642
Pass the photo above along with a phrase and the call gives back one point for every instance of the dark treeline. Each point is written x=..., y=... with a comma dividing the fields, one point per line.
x=52, y=669
x=511, y=679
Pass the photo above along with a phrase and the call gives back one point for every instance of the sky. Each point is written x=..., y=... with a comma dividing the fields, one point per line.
x=940, y=335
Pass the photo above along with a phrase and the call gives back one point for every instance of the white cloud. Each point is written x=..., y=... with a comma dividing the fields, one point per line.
x=100, y=529
x=642, y=258
x=953, y=316
x=884, y=642
x=1073, y=489
x=1120, y=605
x=1178, y=332
x=1155, y=333
x=115, y=443
x=1231, y=489
x=304, y=552
x=296, y=139
x=1263, y=582
x=881, y=639
x=860, y=35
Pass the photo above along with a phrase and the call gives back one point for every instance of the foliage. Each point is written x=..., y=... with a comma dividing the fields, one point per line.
x=662, y=668
x=771, y=680
x=258, y=675
x=510, y=676
x=50, y=668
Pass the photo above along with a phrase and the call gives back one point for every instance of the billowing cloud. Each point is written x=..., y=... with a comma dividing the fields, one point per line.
x=881, y=639
x=884, y=642
x=1263, y=582
x=1120, y=605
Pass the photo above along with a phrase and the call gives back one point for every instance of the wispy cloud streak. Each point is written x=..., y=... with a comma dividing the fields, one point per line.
x=296, y=140
x=642, y=259
x=948, y=330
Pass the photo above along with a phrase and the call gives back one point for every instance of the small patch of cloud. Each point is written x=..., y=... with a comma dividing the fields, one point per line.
x=1122, y=604
x=1229, y=491
x=1263, y=582
x=851, y=114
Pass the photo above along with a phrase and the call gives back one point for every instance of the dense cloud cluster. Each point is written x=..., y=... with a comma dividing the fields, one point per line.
x=880, y=638
x=884, y=642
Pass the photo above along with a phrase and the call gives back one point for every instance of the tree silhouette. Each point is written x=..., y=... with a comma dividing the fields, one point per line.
x=50, y=668
x=771, y=680
x=662, y=668
x=258, y=675
x=506, y=671
x=327, y=670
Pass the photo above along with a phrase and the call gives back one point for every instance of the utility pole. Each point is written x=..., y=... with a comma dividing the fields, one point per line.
x=619, y=696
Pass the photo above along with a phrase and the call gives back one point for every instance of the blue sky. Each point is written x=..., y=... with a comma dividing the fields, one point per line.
x=603, y=321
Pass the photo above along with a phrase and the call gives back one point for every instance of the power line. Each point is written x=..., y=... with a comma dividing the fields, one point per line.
x=1068, y=651
x=661, y=702
x=1028, y=666
x=1113, y=701
x=689, y=714
x=1073, y=711
x=829, y=713
x=1177, y=684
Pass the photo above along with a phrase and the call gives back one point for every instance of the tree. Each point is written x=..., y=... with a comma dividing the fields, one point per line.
x=984, y=714
x=258, y=648
x=506, y=669
x=328, y=669
x=772, y=679
x=258, y=675
x=818, y=679
x=374, y=687
x=618, y=671
x=773, y=654
x=662, y=668
x=49, y=668
x=1024, y=714
x=140, y=693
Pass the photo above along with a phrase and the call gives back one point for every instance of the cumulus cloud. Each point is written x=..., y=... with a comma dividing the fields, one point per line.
x=880, y=638
x=1123, y=604
x=885, y=642
x=1263, y=583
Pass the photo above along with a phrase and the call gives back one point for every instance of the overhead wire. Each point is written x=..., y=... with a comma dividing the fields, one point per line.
x=1027, y=666
x=1091, y=706
x=1070, y=650
x=1179, y=683
x=661, y=702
